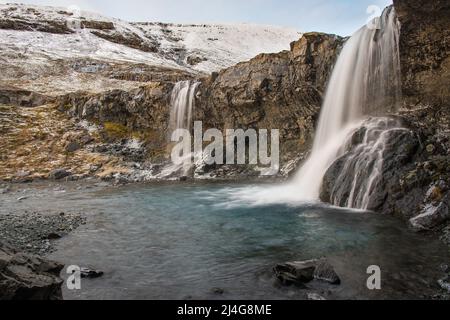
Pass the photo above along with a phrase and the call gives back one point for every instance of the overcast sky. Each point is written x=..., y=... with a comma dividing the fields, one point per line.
x=341, y=17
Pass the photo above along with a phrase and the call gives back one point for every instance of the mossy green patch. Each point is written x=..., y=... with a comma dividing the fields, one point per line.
x=116, y=130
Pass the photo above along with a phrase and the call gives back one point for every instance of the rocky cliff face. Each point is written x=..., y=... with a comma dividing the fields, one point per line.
x=273, y=91
x=424, y=49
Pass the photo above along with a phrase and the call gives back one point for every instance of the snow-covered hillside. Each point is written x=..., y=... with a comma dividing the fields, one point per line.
x=40, y=33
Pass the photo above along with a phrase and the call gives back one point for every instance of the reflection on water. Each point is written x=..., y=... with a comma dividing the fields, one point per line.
x=181, y=241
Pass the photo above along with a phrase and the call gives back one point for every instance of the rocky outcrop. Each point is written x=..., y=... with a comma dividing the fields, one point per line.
x=24, y=98
x=302, y=272
x=129, y=39
x=28, y=277
x=142, y=113
x=413, y=179
x=273, y=91
x=424, y=50
x=366, y=175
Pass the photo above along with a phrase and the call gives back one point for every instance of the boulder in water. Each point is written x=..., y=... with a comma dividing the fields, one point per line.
x=301, y=272
x=325, y=272
x=91, y=273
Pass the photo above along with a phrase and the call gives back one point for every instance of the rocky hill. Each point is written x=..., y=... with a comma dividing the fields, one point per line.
x=56, y=50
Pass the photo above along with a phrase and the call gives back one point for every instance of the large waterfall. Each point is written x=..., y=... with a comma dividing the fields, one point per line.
x=365, y=81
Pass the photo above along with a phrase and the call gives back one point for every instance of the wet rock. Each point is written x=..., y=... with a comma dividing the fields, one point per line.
x=315, y=297
x=346, y=181
x=59, y=174
x=445, y=284
x=431, y=216
x=91, y=273
x=295, y=272
x=28, y=277
x=325, y=272
x=218, y=291
x=301, y=272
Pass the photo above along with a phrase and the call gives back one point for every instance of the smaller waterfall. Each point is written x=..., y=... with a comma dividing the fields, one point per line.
x=181, y=113
x=182, y=105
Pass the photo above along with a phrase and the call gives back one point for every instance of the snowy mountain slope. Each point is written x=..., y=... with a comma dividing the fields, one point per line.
x=58, y=33
x=218, y=46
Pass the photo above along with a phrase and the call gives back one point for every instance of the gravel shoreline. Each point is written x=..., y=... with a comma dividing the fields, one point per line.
x=36, y=232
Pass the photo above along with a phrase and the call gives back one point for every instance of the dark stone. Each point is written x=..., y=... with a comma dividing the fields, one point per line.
x=53, y=236
x=325, y=272
x=301, y=272
x=28, y=277
x=295, y=272
x=73, y=146
x=218, y=291
x=90, y=273
x=59, y=174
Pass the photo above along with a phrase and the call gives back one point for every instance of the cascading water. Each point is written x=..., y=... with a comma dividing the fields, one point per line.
x=182, y=108
x=182, y=104
x=358, y=174
x=365, y=81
